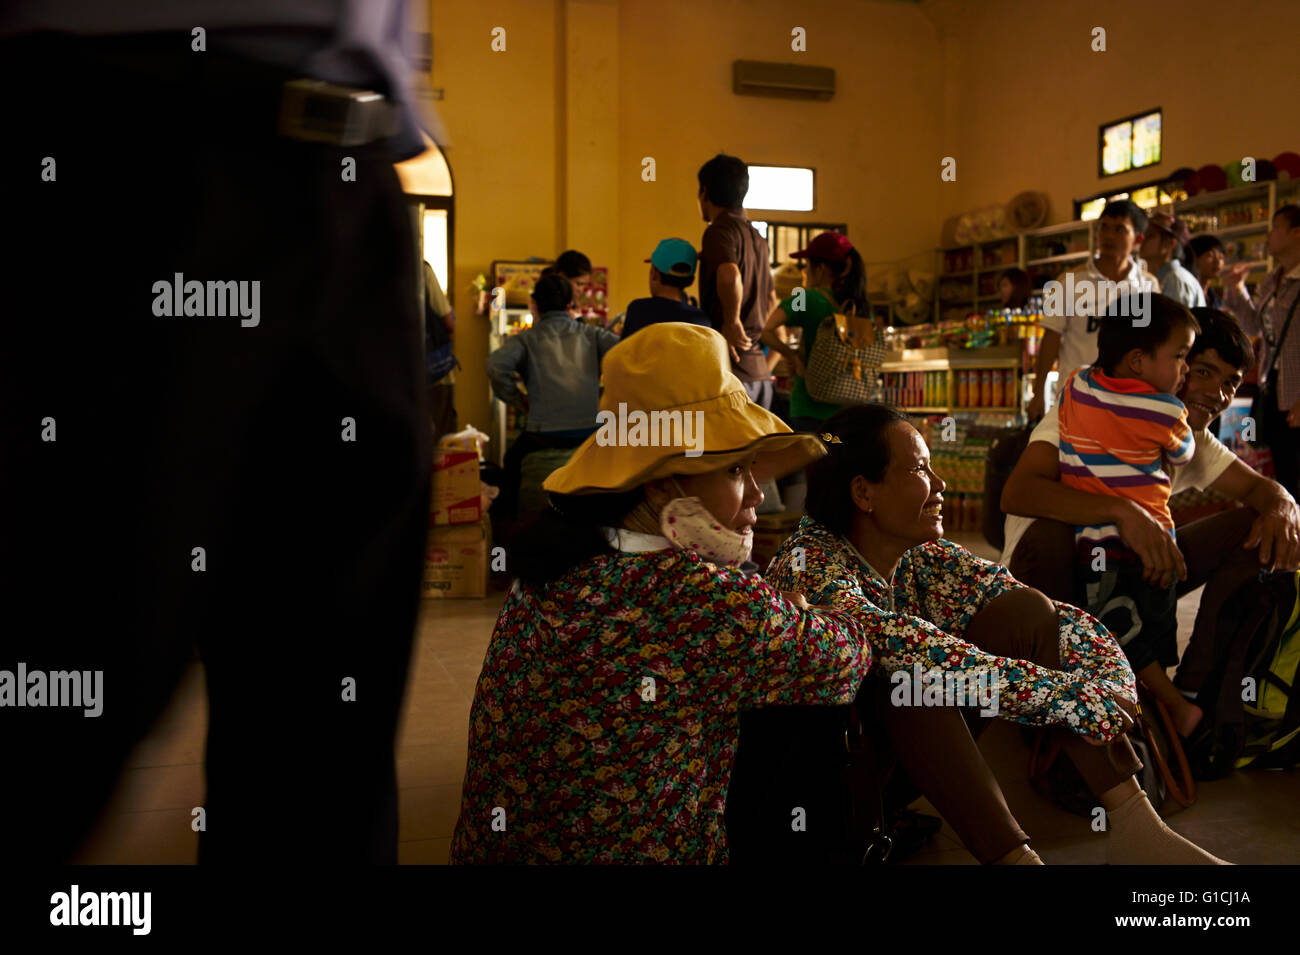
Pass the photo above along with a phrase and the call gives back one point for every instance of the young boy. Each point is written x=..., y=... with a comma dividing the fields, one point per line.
x=1070, y=332
x=1120, y=423
x=672, y=270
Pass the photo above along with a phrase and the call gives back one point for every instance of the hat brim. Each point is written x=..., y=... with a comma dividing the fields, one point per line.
x=734, y=428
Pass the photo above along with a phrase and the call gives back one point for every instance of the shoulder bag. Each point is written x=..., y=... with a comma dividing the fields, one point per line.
x=844, y=363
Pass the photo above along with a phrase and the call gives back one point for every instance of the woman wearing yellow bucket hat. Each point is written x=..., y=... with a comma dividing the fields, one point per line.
x=605, y=721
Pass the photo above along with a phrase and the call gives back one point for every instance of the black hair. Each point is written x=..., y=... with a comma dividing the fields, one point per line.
x=1224, y=334
x=676, y=281
x=863, y=449
x=725, y=181
x=1126, y=209
x=850, y=282
x=1119, y=334
x=571, y=264
x=1292, y=213
x=568, y=533
x=1019, y=280
x=1200, y=244
x=1197, y=246
x=553, y=292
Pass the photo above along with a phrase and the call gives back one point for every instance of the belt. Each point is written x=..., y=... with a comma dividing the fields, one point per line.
x=210, y=93
x=320, y=112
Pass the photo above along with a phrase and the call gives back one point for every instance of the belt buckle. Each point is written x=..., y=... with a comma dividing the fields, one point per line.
x=320, y=112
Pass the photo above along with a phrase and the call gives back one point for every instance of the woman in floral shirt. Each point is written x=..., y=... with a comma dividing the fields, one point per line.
x=605, y=720
x=872, y=545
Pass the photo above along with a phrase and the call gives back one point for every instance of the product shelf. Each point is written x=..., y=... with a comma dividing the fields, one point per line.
x=1223, y=197
x=1067, y=257
x=1243, y=229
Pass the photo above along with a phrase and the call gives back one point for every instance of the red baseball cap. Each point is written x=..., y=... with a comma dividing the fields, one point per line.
x=829, y=245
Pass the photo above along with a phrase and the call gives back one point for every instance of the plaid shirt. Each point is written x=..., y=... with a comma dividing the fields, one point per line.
x=1277, y=295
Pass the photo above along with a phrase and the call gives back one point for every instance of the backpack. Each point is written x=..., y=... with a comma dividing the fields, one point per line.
x=1256, y=656
x=824, y=760
x=844, y=363
x=1053, y=775
x=439, y=359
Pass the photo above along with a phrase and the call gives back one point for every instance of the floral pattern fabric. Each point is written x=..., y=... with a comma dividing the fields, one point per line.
x=921, y=618
x=606, y=717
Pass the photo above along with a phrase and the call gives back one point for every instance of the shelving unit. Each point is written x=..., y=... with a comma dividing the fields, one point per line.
x=955, y=297
x=1243, y=241
x=948, y=361
x=1053, y=249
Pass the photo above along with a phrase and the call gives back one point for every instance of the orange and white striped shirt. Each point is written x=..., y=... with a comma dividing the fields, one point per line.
x=1116, y=434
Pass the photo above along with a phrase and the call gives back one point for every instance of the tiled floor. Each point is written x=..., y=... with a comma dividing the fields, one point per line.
x=1249, y=817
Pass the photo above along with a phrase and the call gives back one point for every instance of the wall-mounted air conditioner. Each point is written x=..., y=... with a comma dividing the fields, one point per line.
x=751, y=78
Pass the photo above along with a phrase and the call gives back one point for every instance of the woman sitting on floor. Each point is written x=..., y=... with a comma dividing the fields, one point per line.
x=605, y=720
x=872, y=538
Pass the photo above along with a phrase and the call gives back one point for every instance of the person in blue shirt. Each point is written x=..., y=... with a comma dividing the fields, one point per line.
x=1162, y=250
x=558, y=359
x=672, y=270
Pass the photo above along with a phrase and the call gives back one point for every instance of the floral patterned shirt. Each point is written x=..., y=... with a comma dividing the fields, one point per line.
x=606, y=716
x=921, y=616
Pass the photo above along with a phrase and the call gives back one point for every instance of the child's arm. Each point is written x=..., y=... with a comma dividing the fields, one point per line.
x=1180, y=446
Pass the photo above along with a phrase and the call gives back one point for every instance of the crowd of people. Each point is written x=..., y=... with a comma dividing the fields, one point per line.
x=613, y=720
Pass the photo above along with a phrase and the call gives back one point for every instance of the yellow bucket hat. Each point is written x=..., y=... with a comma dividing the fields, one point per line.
x=672, y=406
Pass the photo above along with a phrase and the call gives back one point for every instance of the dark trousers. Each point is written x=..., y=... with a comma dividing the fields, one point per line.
x=936, y=744
x=790, y=756
x=258, y=492
x=1211, y=547
x=1283, y=443
x=442, y=411
x=760, y=392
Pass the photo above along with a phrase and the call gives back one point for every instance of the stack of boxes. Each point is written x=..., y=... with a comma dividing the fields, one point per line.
x=460, y=535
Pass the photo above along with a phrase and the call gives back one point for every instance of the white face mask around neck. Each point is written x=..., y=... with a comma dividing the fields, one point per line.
x=689, y=525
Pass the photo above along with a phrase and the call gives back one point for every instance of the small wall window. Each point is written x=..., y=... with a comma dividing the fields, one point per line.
x=786, y=188
x=1130, y=143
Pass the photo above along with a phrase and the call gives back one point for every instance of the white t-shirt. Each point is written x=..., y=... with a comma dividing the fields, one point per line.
x=1208, y=463
x=1078, y=331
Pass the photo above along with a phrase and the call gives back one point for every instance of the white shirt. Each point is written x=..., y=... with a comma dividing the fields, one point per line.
x=635, y=542
x=1079, y=331
x=1208, y=463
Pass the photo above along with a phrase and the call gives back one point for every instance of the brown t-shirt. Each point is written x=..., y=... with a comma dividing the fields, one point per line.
x=730, y=238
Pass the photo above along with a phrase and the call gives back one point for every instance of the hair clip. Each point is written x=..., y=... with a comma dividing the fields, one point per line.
x=831, y=438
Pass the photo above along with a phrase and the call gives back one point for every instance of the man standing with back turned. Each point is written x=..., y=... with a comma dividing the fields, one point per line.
x=736, y=289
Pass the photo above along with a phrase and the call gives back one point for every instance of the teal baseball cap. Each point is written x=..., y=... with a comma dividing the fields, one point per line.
x=674, y=257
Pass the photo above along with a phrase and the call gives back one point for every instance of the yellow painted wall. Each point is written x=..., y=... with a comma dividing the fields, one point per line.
x=501, y=116
x=546, y=147
x=1031, y=92
x=547, y=138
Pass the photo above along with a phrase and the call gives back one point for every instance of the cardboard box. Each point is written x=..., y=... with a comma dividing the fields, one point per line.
x=456, y=561
x=456, y=498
